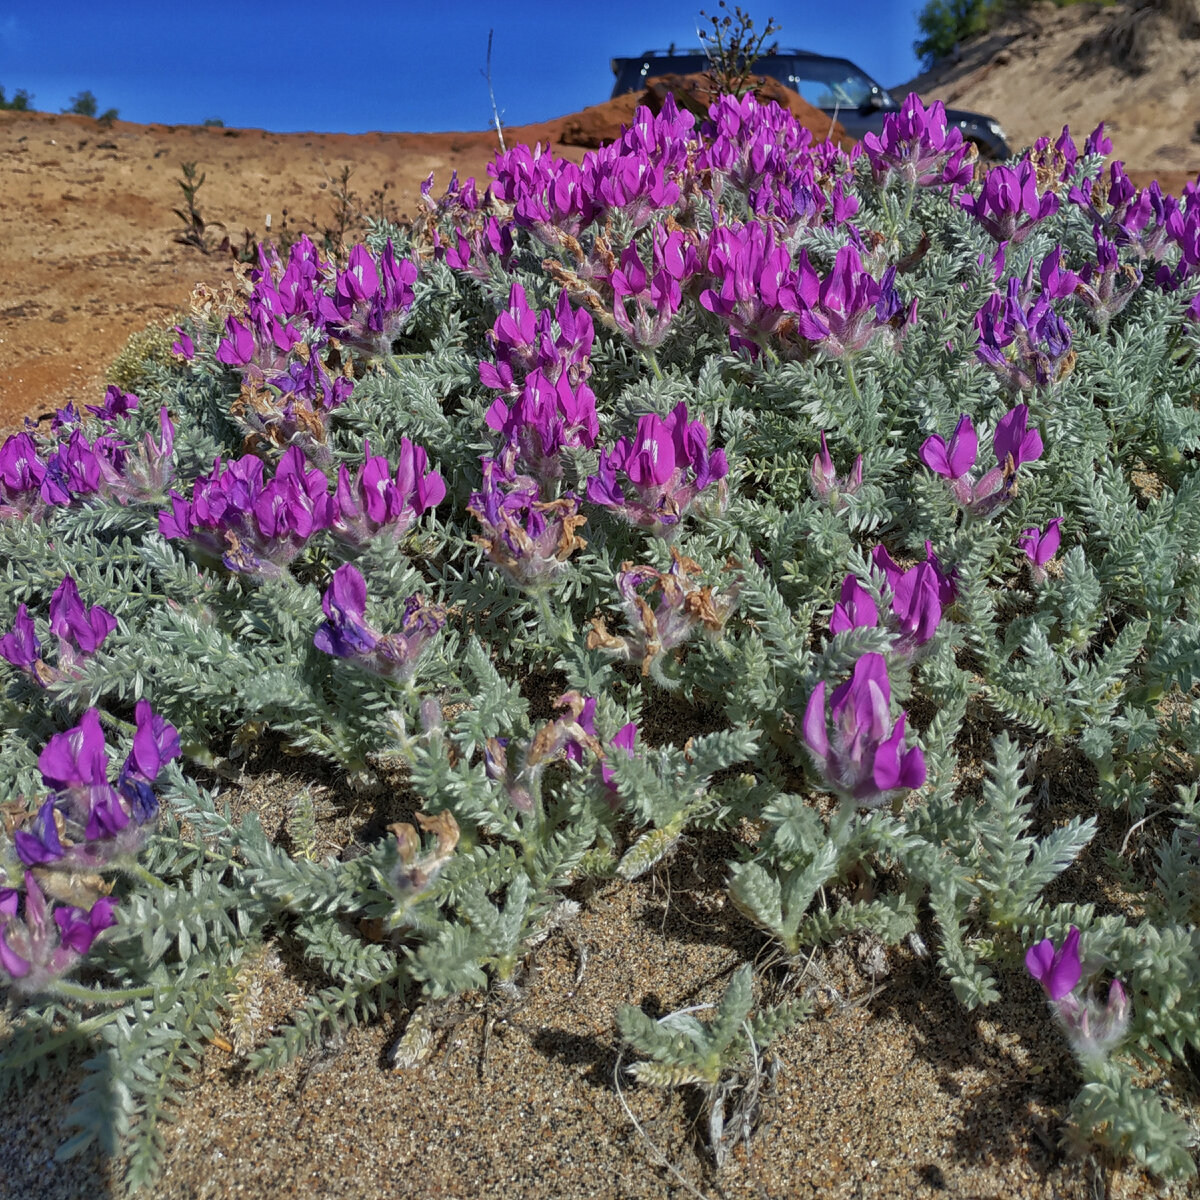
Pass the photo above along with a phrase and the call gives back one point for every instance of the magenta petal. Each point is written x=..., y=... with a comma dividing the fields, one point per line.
x=77, y=757
x=815, y=733
x=14, y=965
x=934, y=455
x=855, y=608
x=964, y=447
x=1058, y=971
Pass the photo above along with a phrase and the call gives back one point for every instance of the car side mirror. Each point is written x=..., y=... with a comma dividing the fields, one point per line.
x=873, y=103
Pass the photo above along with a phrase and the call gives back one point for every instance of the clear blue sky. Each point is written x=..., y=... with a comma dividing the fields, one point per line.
x=412, y=65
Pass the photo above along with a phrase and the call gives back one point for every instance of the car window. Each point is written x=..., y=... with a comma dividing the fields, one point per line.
x=831, y=84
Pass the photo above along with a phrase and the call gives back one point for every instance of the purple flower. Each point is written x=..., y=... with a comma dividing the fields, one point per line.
x=116, y=404
x=827, y=485
x=183, y=345
x=43, y=845
x=1040, y=547
x=346, y=634
x=372, y=301
x=1008, y=205
x=625, y=739
x=916, y=600
x=1013, y=440
x=236, y=348
x=76, y=760
x=753, y=284
x=22, y=648
x=855, y=608
x=86, y=824
x=865, y=761
x=953, y=461
x=155, y=743
x=81, y=631
x=668, y=465
x=656, y=295
x=528, y=538
x=21, y=474
x=1057, y=970
x=34, y=953
x=1106, y=286
x=1097, y=142
x=547, y=417
x=1093, y=1032
x=253, y=528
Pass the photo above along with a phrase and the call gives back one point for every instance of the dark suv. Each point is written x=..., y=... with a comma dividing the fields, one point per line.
x=834, y=85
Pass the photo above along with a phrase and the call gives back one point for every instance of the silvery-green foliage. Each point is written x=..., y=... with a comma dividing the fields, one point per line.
x=1096, y=666
x=683, y=1049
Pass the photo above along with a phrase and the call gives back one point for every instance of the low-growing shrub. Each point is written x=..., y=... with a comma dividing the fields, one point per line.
x=889, y=468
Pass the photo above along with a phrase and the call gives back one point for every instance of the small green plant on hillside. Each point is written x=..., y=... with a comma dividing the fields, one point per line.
x=195, y=230
x=945, y=23
x=22, y=101
x=83, y=105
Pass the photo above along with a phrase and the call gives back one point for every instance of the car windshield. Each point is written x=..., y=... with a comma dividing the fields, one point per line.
x=832, y=84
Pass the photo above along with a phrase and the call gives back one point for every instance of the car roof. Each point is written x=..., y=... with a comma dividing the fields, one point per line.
x=691, y=51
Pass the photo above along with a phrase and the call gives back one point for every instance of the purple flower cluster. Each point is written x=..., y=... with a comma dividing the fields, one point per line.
x=1028, y=344
x=761, y=150
x=1009, y=205
x=346, y=634
x=477, y=234
x=544, y=375
x=918, y=148
x=373, y=502
x=917, y=599
x=1013, y=443
x=859, y=751
x=1145, y=221
x=365, y=306
x=666, y=464
x=104, y=466
x=86, y=824
x=681, y=609
x=656, y=295
x=80, y=632
x=639, y=176
x=34, y=952
x=528, y=538
x=1092, y=1031
x=256, y=527
x=758, y=291
x=850, y=307
x=291, y=314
